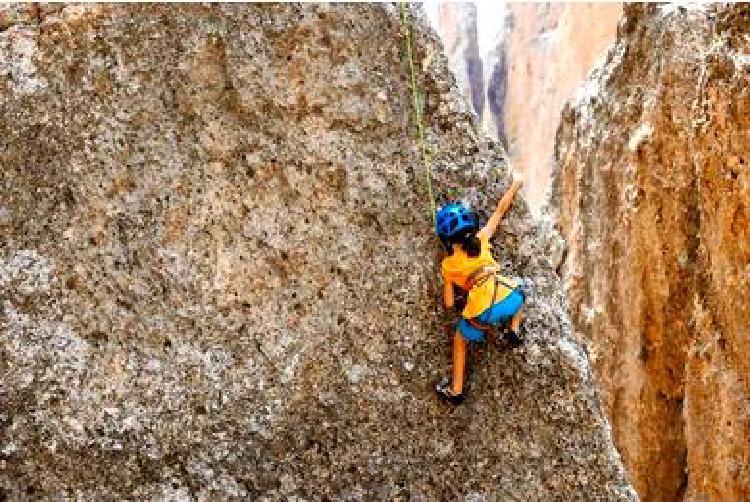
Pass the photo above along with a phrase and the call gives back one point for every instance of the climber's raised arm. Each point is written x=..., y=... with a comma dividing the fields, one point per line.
x=502, y=207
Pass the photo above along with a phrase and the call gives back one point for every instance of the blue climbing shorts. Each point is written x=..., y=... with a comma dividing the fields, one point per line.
x=499, y=313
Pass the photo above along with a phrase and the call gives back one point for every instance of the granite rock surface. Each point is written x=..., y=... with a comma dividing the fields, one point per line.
x=653, y=194
x=218, y=276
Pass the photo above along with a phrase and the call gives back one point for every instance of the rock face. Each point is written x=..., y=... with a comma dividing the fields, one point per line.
x=457, y=24
x=550, y=48
x=518, y=88
x=218, y=276
x=459, y=36
x=654, y=196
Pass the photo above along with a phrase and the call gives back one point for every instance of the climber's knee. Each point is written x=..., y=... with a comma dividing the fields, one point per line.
x=515, y=321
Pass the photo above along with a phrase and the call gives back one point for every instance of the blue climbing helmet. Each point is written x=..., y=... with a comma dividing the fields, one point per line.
x=455, y=219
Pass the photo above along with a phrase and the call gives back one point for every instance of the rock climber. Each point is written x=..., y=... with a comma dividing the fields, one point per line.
x=492, y=299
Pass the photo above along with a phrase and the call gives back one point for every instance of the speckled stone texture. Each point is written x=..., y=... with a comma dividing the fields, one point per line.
x=218, y=276
x=654, y=195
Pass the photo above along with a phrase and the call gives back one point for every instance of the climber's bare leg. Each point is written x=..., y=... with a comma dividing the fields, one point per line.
x=459, y=363
x=515, y=322
x=515, y=325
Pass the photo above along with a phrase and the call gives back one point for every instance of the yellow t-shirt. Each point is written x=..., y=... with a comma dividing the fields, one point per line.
x=459, y=267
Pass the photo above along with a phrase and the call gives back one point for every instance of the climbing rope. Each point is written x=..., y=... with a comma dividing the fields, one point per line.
x=417, y=110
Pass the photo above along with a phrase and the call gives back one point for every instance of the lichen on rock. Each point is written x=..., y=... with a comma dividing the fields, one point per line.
x=219, y=273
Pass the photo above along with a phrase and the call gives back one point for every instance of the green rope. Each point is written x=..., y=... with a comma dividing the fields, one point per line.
x=426, y=160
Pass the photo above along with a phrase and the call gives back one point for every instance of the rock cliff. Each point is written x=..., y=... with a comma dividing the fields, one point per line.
x=654, y=192
x=540, y=54
x=459, y=37
x=218, y=272
x=549, y=50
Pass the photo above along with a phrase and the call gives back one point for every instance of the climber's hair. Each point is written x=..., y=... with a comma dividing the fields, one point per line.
x=469, y=242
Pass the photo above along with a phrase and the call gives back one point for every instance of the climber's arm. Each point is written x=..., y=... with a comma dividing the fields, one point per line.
x=502, y=207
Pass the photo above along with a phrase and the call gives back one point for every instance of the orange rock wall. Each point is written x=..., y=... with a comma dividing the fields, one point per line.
x=654, y=200
x=550, y=49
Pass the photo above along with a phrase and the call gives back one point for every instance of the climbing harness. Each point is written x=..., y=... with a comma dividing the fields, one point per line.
x=425, y=153
x=480, y=277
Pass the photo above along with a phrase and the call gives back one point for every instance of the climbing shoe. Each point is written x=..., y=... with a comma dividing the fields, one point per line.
x=443, y=391
x=513, y=338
